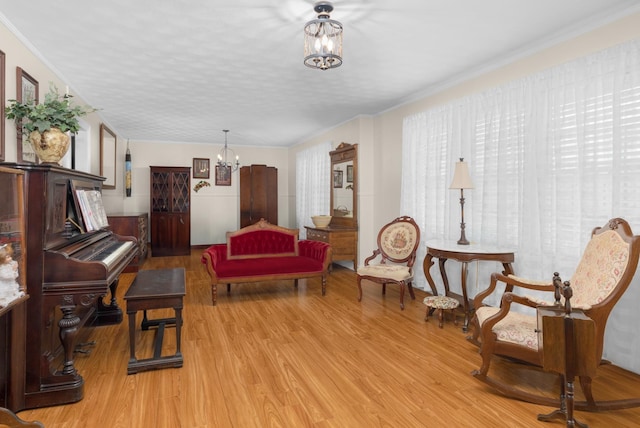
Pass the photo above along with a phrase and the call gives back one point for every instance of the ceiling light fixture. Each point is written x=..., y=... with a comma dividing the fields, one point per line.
x=227, y=153
x=323, y=39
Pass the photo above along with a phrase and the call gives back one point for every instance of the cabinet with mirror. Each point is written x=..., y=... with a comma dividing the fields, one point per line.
x=342, y=231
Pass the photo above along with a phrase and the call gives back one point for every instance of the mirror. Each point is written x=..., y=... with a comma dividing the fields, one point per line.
x=344, y=185
x=108, y=157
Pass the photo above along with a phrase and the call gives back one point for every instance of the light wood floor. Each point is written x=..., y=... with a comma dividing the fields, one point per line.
x=273, y=356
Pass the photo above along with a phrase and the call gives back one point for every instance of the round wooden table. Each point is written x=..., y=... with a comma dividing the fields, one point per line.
x=449, y=249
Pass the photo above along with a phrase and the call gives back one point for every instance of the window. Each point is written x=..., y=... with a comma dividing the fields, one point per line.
x=551, y=155
x=312, y=184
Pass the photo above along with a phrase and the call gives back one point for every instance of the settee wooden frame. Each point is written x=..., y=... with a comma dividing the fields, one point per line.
x=299, y=250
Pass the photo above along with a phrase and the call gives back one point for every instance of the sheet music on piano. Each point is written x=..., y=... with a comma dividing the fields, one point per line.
x=88, y=202
x=92, y=209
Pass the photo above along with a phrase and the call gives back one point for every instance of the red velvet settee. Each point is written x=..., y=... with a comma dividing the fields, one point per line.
x=265, y=252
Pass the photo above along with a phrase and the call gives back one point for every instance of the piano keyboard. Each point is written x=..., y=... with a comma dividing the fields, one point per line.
x=110, y=254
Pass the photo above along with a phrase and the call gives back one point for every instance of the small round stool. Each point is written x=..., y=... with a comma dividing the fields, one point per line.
x=441, y=303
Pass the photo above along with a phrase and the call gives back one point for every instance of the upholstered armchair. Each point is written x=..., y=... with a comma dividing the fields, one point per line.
x=603, y=274
x=392, y=262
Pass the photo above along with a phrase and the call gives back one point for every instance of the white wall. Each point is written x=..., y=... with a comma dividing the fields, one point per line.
x=357, y=131
x=215, y=209
x=17, y=54
x=380, y=136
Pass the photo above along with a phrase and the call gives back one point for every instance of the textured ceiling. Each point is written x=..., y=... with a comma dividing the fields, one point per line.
x=181, y=71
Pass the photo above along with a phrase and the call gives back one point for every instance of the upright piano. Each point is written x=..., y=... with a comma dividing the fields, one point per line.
x=72, y=276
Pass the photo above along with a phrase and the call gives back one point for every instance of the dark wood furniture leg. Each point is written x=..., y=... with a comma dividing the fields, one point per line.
x=443, y=274
x=68, y=333
x=508, y=269
x=426, y=266
x=466, y=306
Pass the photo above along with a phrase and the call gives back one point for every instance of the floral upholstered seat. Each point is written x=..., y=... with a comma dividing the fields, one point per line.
x=441, y=304
x=393, y=259
x=603, y=274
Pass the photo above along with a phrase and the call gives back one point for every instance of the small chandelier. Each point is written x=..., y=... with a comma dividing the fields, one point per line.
x=226, y=153
x=323, y=39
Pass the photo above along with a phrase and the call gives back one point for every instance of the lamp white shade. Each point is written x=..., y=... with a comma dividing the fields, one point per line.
x=461, y=177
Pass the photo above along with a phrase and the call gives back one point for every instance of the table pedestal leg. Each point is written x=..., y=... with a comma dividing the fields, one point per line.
x=465, y=298
x=426, y=266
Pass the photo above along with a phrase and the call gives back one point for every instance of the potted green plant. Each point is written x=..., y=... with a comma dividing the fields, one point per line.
x=46, y=124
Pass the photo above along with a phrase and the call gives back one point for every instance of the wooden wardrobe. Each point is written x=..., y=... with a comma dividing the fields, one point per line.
x=258, y=194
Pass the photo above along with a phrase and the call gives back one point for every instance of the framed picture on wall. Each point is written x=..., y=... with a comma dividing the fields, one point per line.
x=26, y=90
x=337, y=178
x=108, y=150
x=200, y=168
x=223, y=175
x=349, y=173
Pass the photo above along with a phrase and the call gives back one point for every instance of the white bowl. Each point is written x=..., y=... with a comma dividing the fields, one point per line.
x=321, y=220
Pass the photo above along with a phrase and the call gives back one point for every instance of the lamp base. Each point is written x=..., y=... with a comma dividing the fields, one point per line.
x=463, y=238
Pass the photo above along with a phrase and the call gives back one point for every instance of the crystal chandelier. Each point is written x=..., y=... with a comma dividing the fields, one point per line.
x=323, y=39
x=226, y=153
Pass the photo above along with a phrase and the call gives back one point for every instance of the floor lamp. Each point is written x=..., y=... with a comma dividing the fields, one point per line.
x=461, y=180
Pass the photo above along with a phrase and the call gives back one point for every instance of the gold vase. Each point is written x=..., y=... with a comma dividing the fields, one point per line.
x=50, y=146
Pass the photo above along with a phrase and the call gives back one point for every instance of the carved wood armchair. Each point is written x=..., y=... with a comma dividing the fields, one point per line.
x=603, y=274
x=396, y=253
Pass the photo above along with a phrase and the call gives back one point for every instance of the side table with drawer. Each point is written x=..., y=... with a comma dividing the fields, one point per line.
x=343, y=241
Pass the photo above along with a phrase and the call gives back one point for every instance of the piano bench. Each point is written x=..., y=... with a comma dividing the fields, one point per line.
x=155, y=289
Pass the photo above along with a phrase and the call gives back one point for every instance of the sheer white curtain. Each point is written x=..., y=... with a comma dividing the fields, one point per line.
x=551, y=155
x=313, y=172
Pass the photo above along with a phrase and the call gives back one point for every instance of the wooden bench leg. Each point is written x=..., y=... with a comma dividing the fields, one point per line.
x=440, y=315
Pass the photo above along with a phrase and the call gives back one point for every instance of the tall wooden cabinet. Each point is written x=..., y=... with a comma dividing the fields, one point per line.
x=258, y=194
x=170, y=211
